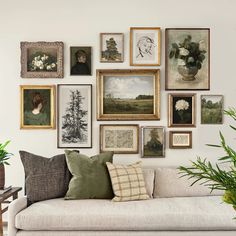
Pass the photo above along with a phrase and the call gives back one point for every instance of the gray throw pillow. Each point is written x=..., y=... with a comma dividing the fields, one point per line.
x=45, y=178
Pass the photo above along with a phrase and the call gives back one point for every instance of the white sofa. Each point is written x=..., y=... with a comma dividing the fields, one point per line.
x=175, y=209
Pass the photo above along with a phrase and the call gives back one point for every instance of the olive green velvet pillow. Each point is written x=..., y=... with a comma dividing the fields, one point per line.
x=90, y=176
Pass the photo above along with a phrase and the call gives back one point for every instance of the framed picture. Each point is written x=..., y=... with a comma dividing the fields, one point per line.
x=74, y=116
x=80, y=60
x=128, y=95
x=181, y=110
x=119, y=138
x=42, y=59
x=153, y=141
x=211, y=109
x=145, y=46
x=37, y=106
x=180, y=139
x=111, y=47
x=188, y=59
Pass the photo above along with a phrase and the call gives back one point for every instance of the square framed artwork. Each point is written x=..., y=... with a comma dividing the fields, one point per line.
x=42, y=59
x=187, y=58
x=212, y=109
x=111, y=47
x=74, y=115
x=153, y=141
x=80, y=60
x=181, y=110
x=37, y=106
x=180, y=139
x=145, y=46
x=122, y=139
x=128, y=94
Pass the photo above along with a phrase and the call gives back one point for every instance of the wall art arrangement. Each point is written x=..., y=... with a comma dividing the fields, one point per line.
x=122, y=94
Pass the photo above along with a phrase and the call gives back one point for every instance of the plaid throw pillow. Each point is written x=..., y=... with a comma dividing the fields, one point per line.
x=127, y=182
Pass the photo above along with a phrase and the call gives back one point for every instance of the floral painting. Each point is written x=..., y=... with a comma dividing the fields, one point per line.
x=181, y=110
x=187, y=59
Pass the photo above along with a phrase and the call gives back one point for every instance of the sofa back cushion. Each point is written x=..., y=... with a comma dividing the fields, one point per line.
x=169, y=184
x=149, y=175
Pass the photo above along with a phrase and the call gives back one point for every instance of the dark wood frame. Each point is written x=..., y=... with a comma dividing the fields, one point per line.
x=171, y=145
x=167, y=59
x=58, y=112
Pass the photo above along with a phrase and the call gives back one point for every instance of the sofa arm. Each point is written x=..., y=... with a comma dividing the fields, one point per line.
x=14, y=208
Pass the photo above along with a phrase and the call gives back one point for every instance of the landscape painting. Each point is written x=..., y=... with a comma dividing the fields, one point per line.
x=128, y=94
x=211, y=109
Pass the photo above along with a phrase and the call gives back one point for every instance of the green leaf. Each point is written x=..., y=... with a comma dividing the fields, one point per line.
x=214, y=145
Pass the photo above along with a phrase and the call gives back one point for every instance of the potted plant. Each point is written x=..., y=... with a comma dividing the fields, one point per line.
x=4, y=156
x=189, y=56
x=215, y=176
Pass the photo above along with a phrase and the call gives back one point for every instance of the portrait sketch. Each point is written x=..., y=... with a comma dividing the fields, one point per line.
x=80, y=60
x=37, y=107
x=74, y=116
x=145, y=46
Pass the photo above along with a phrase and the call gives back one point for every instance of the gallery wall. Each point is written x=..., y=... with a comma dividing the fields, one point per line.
x=78, y=23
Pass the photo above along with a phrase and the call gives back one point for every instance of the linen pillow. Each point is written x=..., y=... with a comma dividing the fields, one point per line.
x=45, y=178
x=127, y=182
x=90, y=176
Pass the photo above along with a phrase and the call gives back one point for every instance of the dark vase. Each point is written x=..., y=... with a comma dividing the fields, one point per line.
x=188, y=73
x=2, y=176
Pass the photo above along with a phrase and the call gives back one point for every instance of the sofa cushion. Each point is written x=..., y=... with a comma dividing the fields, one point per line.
x=188, y=213
x=149, y=175
x=169, y=184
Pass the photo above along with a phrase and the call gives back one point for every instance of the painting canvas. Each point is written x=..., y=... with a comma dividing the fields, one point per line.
x=37, y=107
x=180, y=139
x=145, y=47
x=74, y=116
x=153, y=141
x=119, y=138
x=188, y=59
x=182, y=110
x=42, y=59
x=128, y=94
x=211, y=109
x=112, y=47
x=80, y=60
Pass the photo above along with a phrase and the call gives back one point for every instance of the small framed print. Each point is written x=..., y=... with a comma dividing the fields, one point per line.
x=121, y=139
x=181, y=110
x=42, y=59
x=37, y=107
x=111, y=47
x=80, y=60
x=153, y=141
x=212, y=109
x=74, y=115
x=145, y=46
x=180, y=139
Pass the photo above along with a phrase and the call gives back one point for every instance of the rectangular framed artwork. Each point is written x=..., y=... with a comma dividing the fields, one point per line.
x=180, y=139
x=145, y=46
x=187, y=58
x=37, y=106
x=74, y=116
x=128, y=94
x=212, y=109
x=111, y=47
x=121, y=139
x=153, y=141
x=181, y=110
x=42, y=59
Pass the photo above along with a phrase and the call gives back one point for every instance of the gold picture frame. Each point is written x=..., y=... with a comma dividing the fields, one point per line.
x=37, y=106
x=128, y=94
x=180, y=139
x=121, y=139
x=145, y=46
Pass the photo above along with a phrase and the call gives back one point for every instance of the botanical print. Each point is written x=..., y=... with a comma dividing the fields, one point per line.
x=74, y=116
x=187, y=59
x=37, y=107
x=80, y=58
x=112, y=47
x=211, y=109
x=153, y=142
x=180, y=139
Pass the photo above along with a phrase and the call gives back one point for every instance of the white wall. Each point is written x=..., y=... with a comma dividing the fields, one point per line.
x=79, y=22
